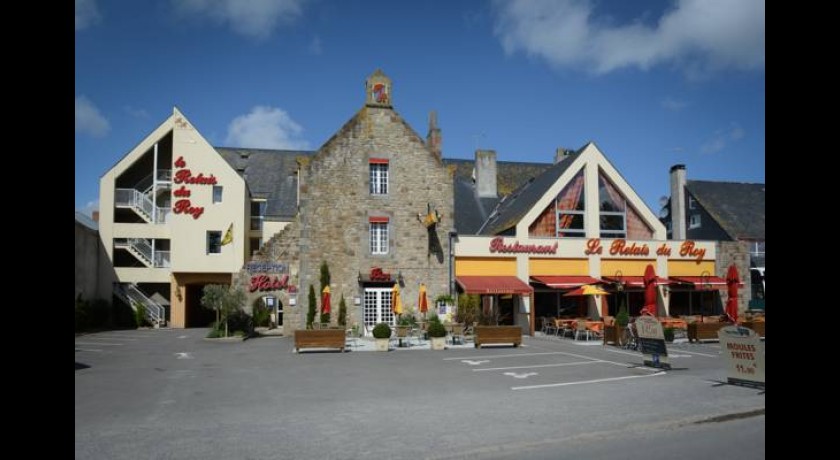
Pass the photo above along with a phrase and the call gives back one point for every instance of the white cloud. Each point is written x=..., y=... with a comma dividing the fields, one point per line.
x=135, y=112
x=700, y=35
x=87, y=14
x=90, y=207
x=722, y=138
x=88, y=119
x=266, y=127
x=252, y=18
x=674, y=105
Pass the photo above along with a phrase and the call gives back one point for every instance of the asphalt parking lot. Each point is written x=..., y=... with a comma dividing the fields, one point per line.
x=172, y=394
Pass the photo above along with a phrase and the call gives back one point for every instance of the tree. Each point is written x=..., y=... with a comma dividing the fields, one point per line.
x=212, y=296
x=310, y=315
x=342, y=312
x=223, y=300
x=325, y=281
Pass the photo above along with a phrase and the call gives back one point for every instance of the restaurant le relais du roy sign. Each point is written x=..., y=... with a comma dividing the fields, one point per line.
x=616, y=248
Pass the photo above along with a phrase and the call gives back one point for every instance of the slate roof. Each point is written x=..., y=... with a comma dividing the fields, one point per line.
x=737, y=207
x=513, y=207
x=87, y=221
x=270, y=174
x=471, y=211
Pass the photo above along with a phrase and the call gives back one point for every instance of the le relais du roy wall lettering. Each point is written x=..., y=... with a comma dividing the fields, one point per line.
x=618, y=248
x=181, y=195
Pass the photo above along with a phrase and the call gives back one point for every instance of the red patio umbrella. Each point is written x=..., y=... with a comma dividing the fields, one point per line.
x=423, y=302
x=732, y=282
x=650, y=291
x=325, y=300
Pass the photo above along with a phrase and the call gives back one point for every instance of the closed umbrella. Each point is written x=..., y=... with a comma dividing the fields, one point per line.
x=650, y=291
x=423, y=302
x=732, y=282
x=396, y=303
x=325, y=301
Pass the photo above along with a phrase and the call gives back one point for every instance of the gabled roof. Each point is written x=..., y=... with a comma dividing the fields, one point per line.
x=87, y=221
x=509, y=174
x=470, y=210
x=737, y=207
x=270, y=175
x=512, y=208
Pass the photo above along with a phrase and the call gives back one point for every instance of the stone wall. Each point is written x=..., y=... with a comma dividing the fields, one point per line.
x=284, y=248
x=336, y=203
x=737, y=252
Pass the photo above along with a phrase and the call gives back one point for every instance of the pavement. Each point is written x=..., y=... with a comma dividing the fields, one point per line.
x=169, y=393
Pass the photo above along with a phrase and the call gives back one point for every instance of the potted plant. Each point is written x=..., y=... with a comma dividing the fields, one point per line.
x=382, y=334
x=668, y=332
x=404, y=325
x=437, y=333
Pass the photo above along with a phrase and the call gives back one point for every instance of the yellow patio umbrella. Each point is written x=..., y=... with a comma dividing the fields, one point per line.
x=586, y=289
x=396, y=303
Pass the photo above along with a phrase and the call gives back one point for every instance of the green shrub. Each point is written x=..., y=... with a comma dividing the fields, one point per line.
x=622, y=318
x=310, y=313
x=123, y=316
x=239, y=333
x=238, y=320
x=261, y=313
x=140, y=315
x=468, y=308
x=215, y=333
x=342, y=312
x=382, y=331
x=668, y=332
x=436, y=329
x=407, y=320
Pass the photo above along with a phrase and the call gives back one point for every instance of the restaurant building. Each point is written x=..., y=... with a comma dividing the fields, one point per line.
x=382, y=208
x=578, y=222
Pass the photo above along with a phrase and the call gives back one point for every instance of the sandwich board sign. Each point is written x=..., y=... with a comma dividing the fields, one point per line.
x=652, y=342
x=744, y=355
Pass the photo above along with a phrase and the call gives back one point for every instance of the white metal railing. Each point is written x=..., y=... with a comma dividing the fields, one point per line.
x=141, y=204
x=155, y=313
x=161, y=259
x=164, y=175
x=143, y=247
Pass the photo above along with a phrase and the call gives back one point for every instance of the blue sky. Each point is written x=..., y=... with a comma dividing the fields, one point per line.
x=653, y=83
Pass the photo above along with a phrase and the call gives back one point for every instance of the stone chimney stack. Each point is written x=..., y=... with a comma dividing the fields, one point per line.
x=95, y=216
x=434, y=140
x=560, y=154
x=678, y=231
x=485, y=174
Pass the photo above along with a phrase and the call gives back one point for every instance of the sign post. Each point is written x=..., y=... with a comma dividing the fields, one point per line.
x=652, y=342
x=744, y=356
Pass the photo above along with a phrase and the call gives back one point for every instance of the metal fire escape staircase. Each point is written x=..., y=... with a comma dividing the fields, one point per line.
x=143, y=251
x=141, y=199
x=131, y=295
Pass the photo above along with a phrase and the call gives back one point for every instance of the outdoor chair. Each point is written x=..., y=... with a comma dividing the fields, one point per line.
x=457, y=331
x=549, y=326
x=580, y=329
x=630, y=339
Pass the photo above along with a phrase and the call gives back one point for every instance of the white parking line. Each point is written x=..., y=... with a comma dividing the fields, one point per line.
x=101, y=344
x=110, y=338
x=507, y=356
x=698, y=353
x=612, y=379
x=534, y=366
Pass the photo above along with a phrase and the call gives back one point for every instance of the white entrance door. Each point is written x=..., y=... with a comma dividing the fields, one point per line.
x=377, y=307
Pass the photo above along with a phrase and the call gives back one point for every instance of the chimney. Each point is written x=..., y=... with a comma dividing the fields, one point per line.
x=485, y=174
x=560, y=154
x=678, y=202
x=434, y=138
x=95, y=216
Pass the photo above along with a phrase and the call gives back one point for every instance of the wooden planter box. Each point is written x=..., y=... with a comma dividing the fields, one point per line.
x=498, y=334
x=757, y=326
x=323, y=338
x=704, y=331
x=613, y=334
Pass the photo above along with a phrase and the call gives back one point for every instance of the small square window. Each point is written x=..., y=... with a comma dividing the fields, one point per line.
x=217, y=194
x=694, y=221
x=692, y=203
x=214, y=242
